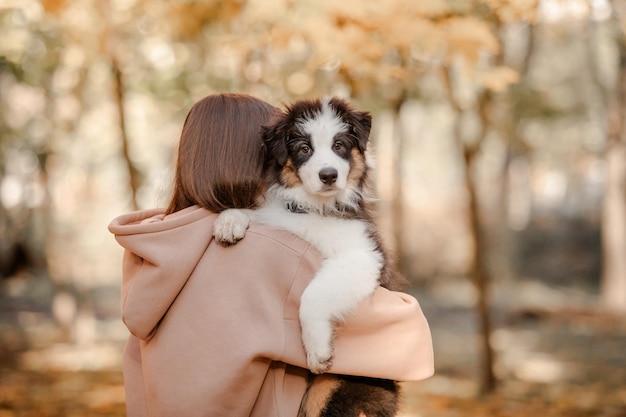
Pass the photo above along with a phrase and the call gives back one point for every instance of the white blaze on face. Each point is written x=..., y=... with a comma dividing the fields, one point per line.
x=322, y=130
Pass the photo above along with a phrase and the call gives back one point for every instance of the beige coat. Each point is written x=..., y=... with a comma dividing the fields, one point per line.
x=215, y=330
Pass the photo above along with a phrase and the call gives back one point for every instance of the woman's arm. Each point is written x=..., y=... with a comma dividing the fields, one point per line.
x=386, y=337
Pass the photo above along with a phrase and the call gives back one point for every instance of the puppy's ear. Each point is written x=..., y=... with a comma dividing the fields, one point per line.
x=275, y=138
x=360, y=121
x=361, y=125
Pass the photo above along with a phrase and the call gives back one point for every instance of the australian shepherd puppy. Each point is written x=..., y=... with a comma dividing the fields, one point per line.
x=317, y=169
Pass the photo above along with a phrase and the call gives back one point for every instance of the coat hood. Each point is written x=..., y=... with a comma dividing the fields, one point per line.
x=160, y=254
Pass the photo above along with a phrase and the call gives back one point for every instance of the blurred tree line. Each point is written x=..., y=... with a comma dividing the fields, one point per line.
x=522, y=104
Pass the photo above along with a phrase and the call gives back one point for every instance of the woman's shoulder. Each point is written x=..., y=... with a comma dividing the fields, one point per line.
x=262, y=235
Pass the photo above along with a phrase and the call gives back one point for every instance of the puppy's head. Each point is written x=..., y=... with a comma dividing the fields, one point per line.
x=319, y=146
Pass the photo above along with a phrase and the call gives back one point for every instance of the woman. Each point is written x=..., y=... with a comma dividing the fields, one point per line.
x=214, y=330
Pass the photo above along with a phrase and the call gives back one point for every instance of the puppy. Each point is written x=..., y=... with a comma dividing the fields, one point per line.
x=317, y=170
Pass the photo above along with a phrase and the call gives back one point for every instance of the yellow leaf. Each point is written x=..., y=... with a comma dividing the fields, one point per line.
x=54, y=7
x=469, y=37
x=498, y=79
x=510, y=11
x=188, y=18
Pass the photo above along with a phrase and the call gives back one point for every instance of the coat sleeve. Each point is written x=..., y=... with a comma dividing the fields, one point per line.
x=387, y=336
x=134, y=385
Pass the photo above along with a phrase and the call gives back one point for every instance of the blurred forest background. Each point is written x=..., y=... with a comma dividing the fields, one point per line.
x=501, y=169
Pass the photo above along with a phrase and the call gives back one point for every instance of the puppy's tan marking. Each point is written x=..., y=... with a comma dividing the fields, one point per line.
x=289, y=175
x=317, y=396
x=358, y=167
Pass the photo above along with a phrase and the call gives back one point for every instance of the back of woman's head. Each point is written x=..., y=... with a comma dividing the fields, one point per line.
x=220, y=154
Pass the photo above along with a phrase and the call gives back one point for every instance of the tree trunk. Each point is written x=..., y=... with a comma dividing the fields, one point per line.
x=397, y=202
x=613, y=284
x=480, y=276
x=478, y=269
x=118, y=87
x=613, y=292
x=108, y=42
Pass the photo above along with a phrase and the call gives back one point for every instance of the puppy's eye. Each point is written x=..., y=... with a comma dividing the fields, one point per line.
x=338, y=146
x=305, y=149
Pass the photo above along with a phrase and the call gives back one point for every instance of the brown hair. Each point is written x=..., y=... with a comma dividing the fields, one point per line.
x=220, y=154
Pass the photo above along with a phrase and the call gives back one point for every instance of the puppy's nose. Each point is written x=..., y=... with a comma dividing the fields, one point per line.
x=328, y=175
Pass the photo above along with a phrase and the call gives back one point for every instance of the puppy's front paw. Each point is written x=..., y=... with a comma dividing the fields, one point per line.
x=318, y=345
x=230, y=226
x=319, y=362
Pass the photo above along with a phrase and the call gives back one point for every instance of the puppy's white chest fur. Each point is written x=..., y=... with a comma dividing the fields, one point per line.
x=331, y=236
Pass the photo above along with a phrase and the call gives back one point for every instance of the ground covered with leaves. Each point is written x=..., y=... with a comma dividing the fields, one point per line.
x=561, y=358
x=61, y=393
